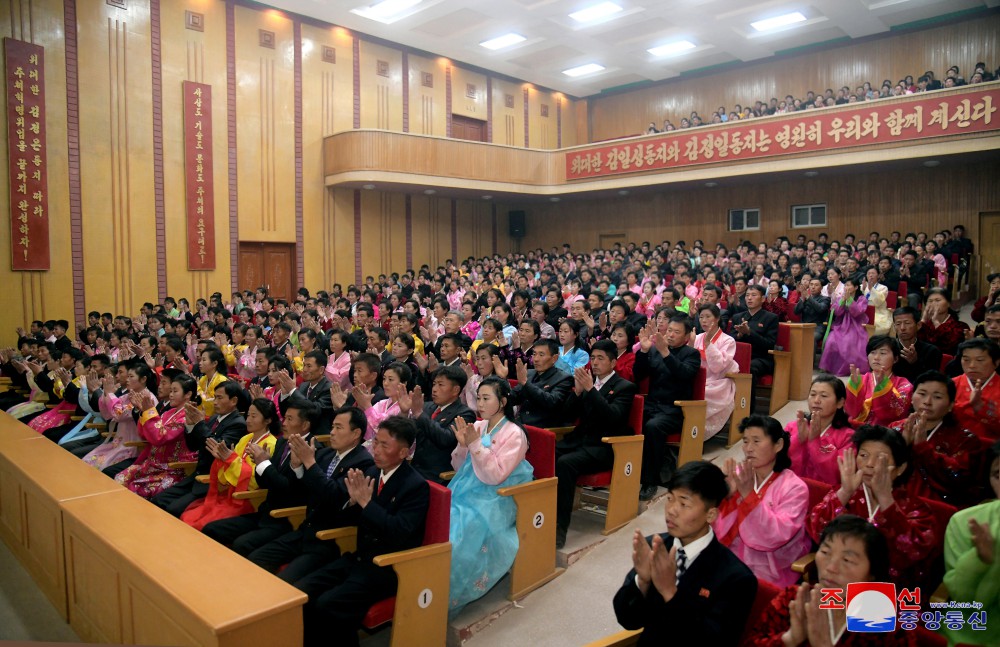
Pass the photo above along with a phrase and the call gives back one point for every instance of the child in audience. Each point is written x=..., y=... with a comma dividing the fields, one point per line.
x=878, y=397
x=762, y=519
x=945, y=458
x=870, y=487
x=819, y=437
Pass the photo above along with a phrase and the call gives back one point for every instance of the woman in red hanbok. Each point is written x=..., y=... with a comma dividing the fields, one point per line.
x=940, y=325
x=977, y=396
x=233, y=469
x=151, y=473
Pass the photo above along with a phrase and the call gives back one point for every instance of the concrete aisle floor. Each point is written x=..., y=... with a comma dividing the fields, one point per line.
x=26, y=614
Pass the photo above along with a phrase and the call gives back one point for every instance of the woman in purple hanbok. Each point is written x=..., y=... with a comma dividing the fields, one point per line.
x=846, y=336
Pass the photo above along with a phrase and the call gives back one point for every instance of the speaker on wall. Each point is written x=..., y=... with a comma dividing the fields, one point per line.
x=516, y=224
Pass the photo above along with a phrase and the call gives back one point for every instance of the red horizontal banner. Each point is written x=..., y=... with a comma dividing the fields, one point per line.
x=198, y=175
x=29, y=196
x=825, y=129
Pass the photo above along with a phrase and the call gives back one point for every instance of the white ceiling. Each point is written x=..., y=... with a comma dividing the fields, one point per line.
x=720, y=29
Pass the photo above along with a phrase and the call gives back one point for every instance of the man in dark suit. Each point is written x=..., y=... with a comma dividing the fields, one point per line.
x=315, y=387
x=738, y=303
x=323, y=474
x=759, y=328
x=915, y=274
x=262, y=359
x=542, y=391
x=671, y=366
x=249, y=532
x=604, y=401
x=389, y=503
x=226, y=426
x=916, y=356
x=686, y=588
x=814, y=308
x=435, y=437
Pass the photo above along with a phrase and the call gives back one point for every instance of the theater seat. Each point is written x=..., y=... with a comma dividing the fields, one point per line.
x=622, y=481
x=761, y=601
x=890, y=300
x=945, y=360
x=420, y=619
x=773, y=389
x=741, y=398
x=870, y=326
x=535, y=562
x=691, y=439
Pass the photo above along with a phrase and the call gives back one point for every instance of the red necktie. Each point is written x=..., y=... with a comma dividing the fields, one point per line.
x=435, y=414
x=381, y=484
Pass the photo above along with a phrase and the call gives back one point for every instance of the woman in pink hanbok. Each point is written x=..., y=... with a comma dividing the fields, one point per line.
x=718, y=353
x=394, y=380
x=763, y=519
x=151, y=473
x=246, y=362
x=119, y=409
x=878, y=397
x=338, y=364
x=821, y=434
x=845, y=334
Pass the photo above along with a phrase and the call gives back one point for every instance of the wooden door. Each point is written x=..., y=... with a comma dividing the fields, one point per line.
x=607, y=241
x=988, y=249
x=269, y=264
x=469, y=129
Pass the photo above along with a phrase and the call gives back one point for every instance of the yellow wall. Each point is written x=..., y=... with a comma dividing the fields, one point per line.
x=117, y=152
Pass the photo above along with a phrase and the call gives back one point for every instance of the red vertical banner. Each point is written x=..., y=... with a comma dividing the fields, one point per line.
x=198, y=176
x=29, y=196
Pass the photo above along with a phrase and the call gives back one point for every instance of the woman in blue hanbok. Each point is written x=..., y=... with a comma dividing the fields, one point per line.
x=489, y=456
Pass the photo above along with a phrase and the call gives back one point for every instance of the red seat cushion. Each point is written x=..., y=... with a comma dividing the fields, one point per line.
x=601, y=479
x=766, y=380
x=380, y=613
x=674, y=439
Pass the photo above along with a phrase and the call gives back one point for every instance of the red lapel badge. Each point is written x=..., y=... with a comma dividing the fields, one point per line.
x=704, y=593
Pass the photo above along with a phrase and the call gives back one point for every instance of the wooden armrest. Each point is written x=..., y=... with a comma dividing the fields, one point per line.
x=96, y=425
x=76, y=418
x=802, y=564
x=323, y=438
x=284, y=513
x=203, y=478
x=537, y=484
x=337, y=533
x=187, y=466
x=251, y=495
x=739, y=376
x=51, y=406
x=780, y=353
x=136, y=443
x=105, y=434
x=447, y=476
x=414, y=553
x=623, y=638
x=940, y=594
x=614, y=440
x=690, y=403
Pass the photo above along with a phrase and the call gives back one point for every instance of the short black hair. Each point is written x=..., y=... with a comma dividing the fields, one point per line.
x=939, y=377
x=906, y=310
x=879, y=341
x=702, y=478
x=317, y=355
x=980, y=343
x=308, y=411
x=607, y=347
x=358, y=419
x=550, y=344
x=876, y=546
x=402, y=429
x=775, y=432
x=683, y=319
x=453, y=374
x=889, y=437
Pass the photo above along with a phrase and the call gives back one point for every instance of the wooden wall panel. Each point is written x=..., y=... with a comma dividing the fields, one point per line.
x=327, y=107
x=39, y=295
x=116, y=135
x=918, y=199
x=890, y=57
x=508, y=121
x=381, y=96
x=265, y=127
x=427, y=104
x=461, y=103
x=339, y=257
x=189, y=55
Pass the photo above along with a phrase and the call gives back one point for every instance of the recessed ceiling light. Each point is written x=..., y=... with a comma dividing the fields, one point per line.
x=811, y=173
x=503, y=41
x=367, y=187
x=596, y=12
x=387, y=11
x=931, y=163
x=554, y=199
x=429, y=191
x=711, y=184
x=671, y=49
x=589, y=68
x=778, y=21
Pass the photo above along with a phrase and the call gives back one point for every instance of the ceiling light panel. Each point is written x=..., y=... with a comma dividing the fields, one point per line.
x=583, y=70
x=387, y=11
x=777, y=22
x=596, y=12
x=672, y=49
x=500, y=42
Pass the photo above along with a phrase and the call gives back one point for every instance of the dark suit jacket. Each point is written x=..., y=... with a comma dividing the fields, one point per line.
x=814, y=310
x=320, y=394
x=670, y=378
x=602, y=413
x=327, y=496
x=283, y=488
x=393, y=520
x=377, y=395
x=543, y=398
x=711, y=606
x=436, y=440
x=763, y=331
x=928, y=359
x=229, y=430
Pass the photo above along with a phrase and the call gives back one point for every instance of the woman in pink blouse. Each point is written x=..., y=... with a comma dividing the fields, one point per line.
x=338, y=365
x=394, y=380
x=822, y=434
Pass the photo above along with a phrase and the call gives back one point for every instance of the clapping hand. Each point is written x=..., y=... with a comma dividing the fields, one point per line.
x=337, y=395
x=359, y=487
x=193, y=414
x=850, y=475
x=108, y=385
x=915, y=429
x=798, y=621
x=257, y=453
x=909, y=353
x=646, y=337
x=661, y=344
x=219, y=450
x=522, y=372
x=742, y=328
x=465, y=433
x=855, y=373
x=882, y=481
x=500, y=368
x=804, y=426
x=255, y=391
x=739, y=476
x=582, y=380
x=286, y=381
x=663, y=566
x=982, y=539
x=362, y=397
x=977, y=394
x=303, y=453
